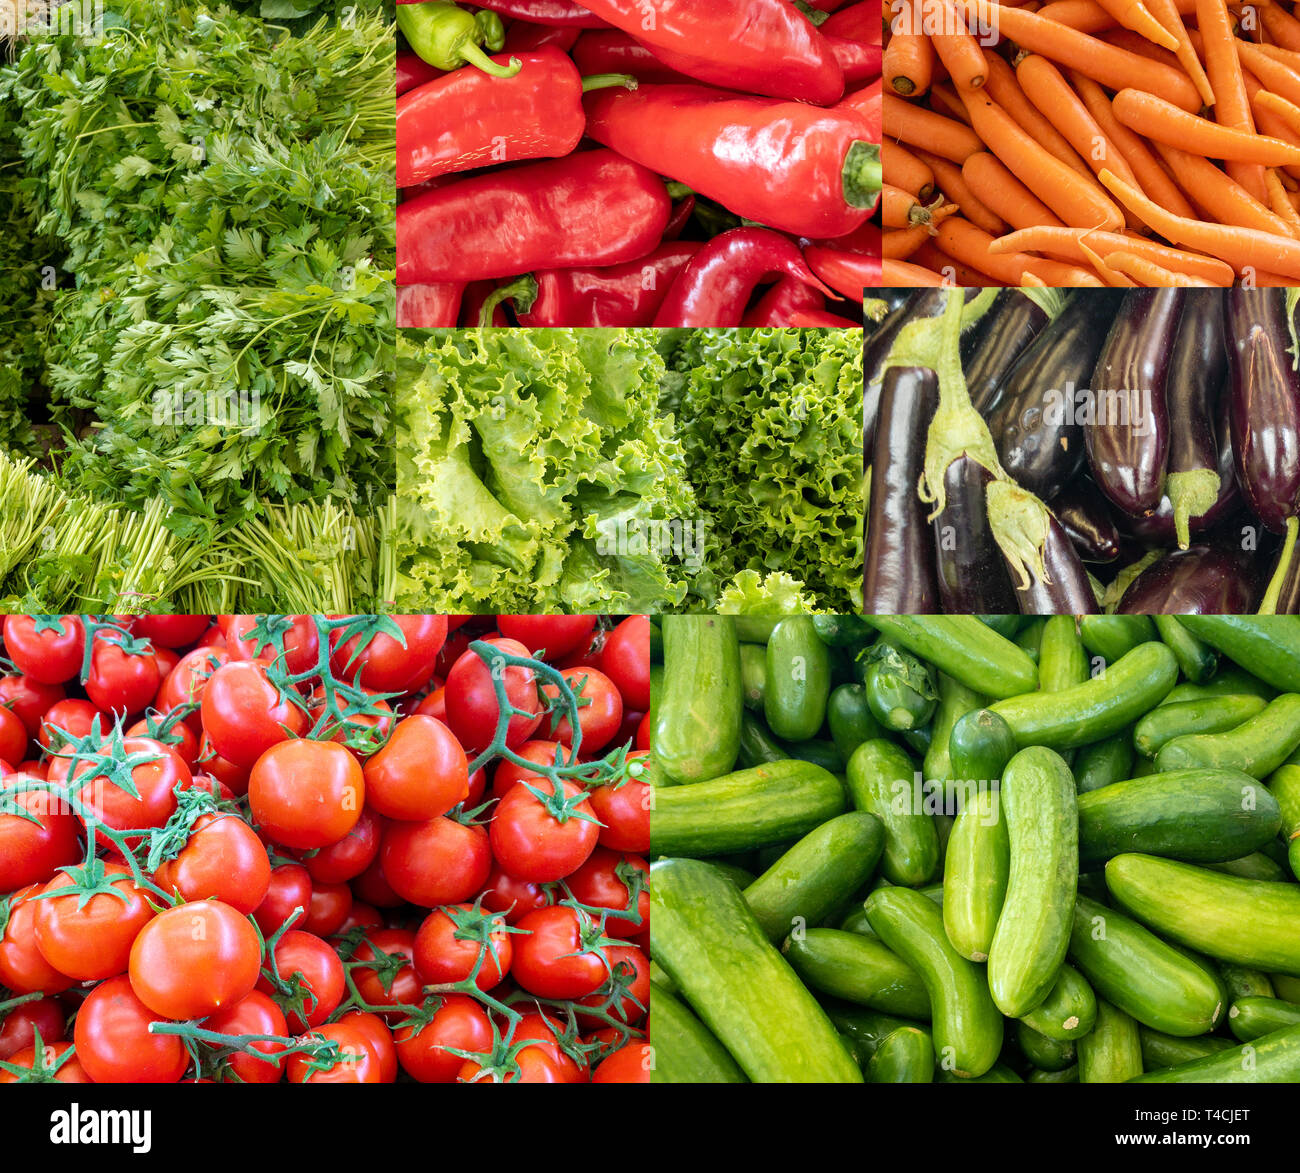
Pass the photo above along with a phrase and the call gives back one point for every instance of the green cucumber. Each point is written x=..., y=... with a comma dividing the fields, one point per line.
x=967, y=1028
x=697, y=721
x=1196, y=660
x=1286, y=986
x=757, y=745
x=1251, y=1017
x=1200, y=816
x=685, y=1050
x=1265, y=646
x=882, y=781
x=1047, y=1054
x=975, y=875
x=1069, y=1075
x=1069, y=1010
x=755, y=629
x=855, y=921
x=965, y=649
x=1162, y=1050
x=1103, y=763
x=1133, y=969
x=1039, y=809
x=1251, y=922
x=905, y=1055
x=798, y=680
x=998, y=1073
x=1258, y=746
x=1097, y=708
x=818, y=751
x=753, y=675
x=1284, y=785
x=1029, y=639
x=866, y=1029
x=817, y=874
x=1255, y=866
x=708, y=942
x=1113, y=636
x=1062, y=660
x=843, y=631
x=1218, y=715
x=1228, y=681
x=850, y=720
x=1005, y=625
x=1273, y=1058
x=1243, y=982
x=734, y=872
x=955, y=701
x=980, y=746
x=1112, y=1051
x=901, y=689
x=857, y=969
x=772, y=803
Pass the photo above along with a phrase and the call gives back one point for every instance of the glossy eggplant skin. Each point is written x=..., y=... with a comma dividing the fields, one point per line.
x=1013, y=323
x=1039, y=439
x=1128, y=436
x=1198, y=366
x=1064, y=589
x=925, y=303
x=1087, y=521
x=1204, y=579
x=900, y=575
x=1265, y=403
x=972, y=576
x=1288, y=597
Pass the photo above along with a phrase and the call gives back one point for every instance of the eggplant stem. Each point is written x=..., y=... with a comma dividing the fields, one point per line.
x=1192, y=493
x=1269, y=604
x=1124, y=579
x=1019, y=522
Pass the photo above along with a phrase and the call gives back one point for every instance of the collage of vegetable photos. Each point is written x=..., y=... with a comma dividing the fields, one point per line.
x=650, y=541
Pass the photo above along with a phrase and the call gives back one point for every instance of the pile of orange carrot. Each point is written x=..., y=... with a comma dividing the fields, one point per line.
x=1091, y=142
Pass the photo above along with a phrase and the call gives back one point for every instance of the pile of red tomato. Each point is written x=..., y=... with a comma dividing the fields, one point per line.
x=254, y=848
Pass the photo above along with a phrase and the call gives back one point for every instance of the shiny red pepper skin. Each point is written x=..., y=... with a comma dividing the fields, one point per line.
x=847, y=272
x=867, y=102
x=859, y=61
x=715, y=288
x=819, y=319
x=779, y=304
x=468, y=119
x=860, y=23
x=412, y=71
x=614, y=51
x=558, y=12
x=778, y=163
x=754, y=46
x=826, y=5
x=521, y=37
x=594, y=208
x=681, y=216
x=621, y=295
x=429, y=305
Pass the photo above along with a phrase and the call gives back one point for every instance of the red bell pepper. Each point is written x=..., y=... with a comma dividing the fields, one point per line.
x=867, y=102
x=429, y=305
x=862, y=22
x=469, y=119
x=680, y=217
x=778, y=305
x=715, y=287
x=592, y=208
x=820, y=319
x=754, y=46
x=826, y=5
x=804, y=170
x=412, y=71
x=563, y=12
x=864, y=241
x=477, y=295
x=523, y=37
x=859, y=61
x=614, y=51
x=849, y=273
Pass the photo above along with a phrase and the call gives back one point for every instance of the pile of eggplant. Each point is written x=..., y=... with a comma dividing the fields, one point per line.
x=1159, y=427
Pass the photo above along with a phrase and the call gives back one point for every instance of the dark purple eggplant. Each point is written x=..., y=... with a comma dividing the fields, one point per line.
x=1286, y=571
x=1201, y=580
x=1041, y=560
x=1064, y=588
x=924, y=304
x=1265, y=401
x=1039, y=439
x=1127, y=434
x=1087, y=521
x=972, y=576
x=900, y=577
x=1012, y=324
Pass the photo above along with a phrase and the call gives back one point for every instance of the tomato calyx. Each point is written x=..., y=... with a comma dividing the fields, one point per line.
x=106, y=757
x=471, y=923
x=162, y=726
x=364, y=628
x=561, y=805
x=166, y=842
x=501, y=1063
x=101, y=630
x=89, y=879
x=45, y=1066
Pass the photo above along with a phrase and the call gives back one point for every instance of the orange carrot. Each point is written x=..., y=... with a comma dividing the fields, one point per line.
x=1218, y=194
x=1074, y=199
x=1004, y=88
x=1135, y=15
x=903, y=169
x=1165, y=122
x=1277, y=199
x=1003, y=193
x=909, y=55
x=1288, y=112
x=928, y=130
x=1087, y=16
x=1108, y=275
x=933, y=257
x=957, y=49
x=901, y=209
x=1269, y=120
x=963, y=240
x=1029, y=280
x=900, y=243
x=957, y=191
x=1279, y=78
x=1148, y=272
x=1218, y=48
x=1283, y=28
x=1065, y=243
x=1112, y=67
x=901, y=275
x=944, y=100
x=1166, y=12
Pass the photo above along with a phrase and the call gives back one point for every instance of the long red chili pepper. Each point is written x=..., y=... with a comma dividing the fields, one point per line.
x=412, y=71
x=469, y=119
x=715, y=287
x=807, y=171
x=680, y=217
x=544, y=12
x=859, y=61
x=821, y=319
x=862, y=22
x=754, y=46
x=614, y=51
x=523, y=37
x=864, y=241
x=592, y=208
x=849, y=273
x=428, y=304
x=780, y=303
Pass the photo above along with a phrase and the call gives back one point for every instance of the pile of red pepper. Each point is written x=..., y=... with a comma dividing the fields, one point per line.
x=638, y=162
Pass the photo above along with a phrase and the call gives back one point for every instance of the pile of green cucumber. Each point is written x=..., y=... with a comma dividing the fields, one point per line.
x=994, y=849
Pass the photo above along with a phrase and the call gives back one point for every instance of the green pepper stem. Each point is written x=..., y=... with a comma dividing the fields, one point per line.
x=603, y=81
x=862, y=175
x=522, y=291
x=473, y=55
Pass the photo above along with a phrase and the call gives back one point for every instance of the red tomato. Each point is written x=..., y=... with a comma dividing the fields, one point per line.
x=29, y=700
x=554, y=960
x=91, y=938
x=435, y=704
x=586, y=655
x=548, y=1031
x=351, y=855
x=13, y=738
x=385, y=664
x=450, y=942
x=48, y=648
x=19, y=1027
x=602, y=882
x=625, y=659
x=546, y=838
x=113, y=1040
x=598, y=718
x=330, y=905
x=643, y=733
x=167, y=660
x=393, y=980
x=289, y=889
x=222, y=859
x=631, y=1063
x=360, y=915
x=253, y=1014
x=234, y=778
x=170, y=631
x=624, y=808
x=244, y=715
x=73, y=717
x=184, y=684
x=531, y=1065
x=213, y=638
x=459, y=1023
x=625, y=994
x=557, y=635
x=358, y=1062
x=372, y=885
x=121, y=681
x=69, y=1071
x=306, y=793
x=191, y=960
x=319, y=978
x=23, y=968
x=155, y=778
x=297, y=633
x=30, y=852
x=420, y=774
x=380, y=1037
x=364, y=733
x=507, y=773
x=472, y=708
x=436, y=862
x=511, y=897
x=180, y=737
